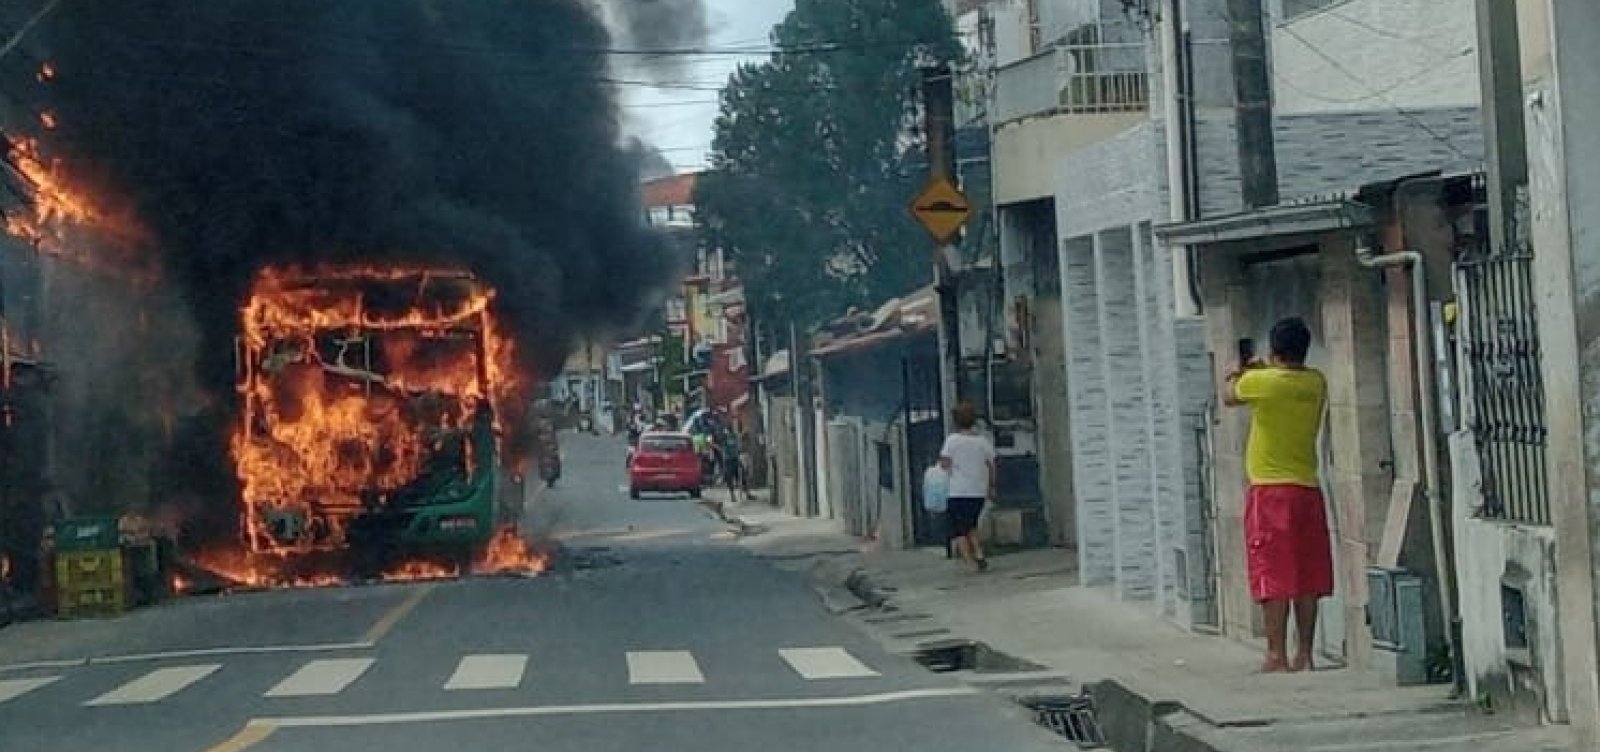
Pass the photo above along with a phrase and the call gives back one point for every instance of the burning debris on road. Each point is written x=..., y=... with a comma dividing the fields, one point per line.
x=388, y=220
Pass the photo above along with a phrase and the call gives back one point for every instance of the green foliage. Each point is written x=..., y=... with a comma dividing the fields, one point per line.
x=672, y=365
x=817, y=155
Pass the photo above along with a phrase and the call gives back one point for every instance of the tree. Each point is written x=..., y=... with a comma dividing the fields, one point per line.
x=817, y=154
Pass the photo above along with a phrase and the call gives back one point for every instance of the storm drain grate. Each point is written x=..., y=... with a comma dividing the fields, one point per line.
x=945, y=657
x=1071, y=717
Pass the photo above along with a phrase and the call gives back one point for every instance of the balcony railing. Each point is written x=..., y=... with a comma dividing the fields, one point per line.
x=1074, y=79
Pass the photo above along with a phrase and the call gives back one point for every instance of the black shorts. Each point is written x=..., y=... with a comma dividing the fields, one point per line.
x=964, y=512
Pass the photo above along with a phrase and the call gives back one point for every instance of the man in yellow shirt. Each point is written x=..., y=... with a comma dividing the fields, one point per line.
x=1288, y=550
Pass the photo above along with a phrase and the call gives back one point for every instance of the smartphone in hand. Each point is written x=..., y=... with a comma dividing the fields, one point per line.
x=1247, y=352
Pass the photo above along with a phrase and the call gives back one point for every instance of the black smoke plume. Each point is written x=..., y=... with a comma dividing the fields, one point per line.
x=653, y=164
x=243, y=134
x=674, y=27
x=478, y=134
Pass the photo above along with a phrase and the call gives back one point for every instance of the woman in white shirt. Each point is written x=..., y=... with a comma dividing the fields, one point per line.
x=969, y=458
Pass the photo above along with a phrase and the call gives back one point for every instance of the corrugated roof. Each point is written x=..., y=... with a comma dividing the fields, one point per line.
x=677, y=190
x=915, y=313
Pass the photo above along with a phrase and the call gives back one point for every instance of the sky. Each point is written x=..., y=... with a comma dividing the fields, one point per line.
x=678, y=118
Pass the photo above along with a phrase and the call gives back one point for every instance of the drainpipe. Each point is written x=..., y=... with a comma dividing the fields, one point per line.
x=1178, y=85
x=1421, y=339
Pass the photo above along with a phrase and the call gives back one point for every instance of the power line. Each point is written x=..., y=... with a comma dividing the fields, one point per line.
x=1336, y=64
x=810, y=48
x=16, y=38
x=675, y=103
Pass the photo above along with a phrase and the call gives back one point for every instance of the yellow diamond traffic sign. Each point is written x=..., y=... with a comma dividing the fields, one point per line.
x=942, y=209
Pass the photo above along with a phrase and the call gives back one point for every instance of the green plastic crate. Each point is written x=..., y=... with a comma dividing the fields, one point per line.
x=87, y=534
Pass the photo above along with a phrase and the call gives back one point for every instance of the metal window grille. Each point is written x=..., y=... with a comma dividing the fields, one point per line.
x=1499, y=338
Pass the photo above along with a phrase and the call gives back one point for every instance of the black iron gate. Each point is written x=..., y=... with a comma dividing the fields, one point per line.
x=1499, y=335
x=924, y=425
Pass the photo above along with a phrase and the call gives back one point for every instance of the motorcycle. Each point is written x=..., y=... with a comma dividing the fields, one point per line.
x=550, y=469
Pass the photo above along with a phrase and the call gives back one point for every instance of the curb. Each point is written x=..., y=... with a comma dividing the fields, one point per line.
x=1132, y=722
x=860, y=583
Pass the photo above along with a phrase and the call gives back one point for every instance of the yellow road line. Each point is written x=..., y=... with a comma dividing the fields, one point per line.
x=391, y=619
x=252, y=734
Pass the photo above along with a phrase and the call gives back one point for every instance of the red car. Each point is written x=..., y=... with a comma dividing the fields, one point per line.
x=664, y=463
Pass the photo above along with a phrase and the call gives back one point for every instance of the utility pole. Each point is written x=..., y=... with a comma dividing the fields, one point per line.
x=1505, y=135
x=1258, y=153
x=805, y=423
x=938, y=103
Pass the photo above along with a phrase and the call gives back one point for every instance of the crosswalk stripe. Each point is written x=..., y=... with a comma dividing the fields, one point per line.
x=663, y=667
x=328, y=676
x=496, y=671
x=11, y=689
x=156, y=685
x=825, y=663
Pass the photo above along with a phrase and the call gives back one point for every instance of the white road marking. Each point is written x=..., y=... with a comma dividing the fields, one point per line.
x=156, y=685
x=37, y=665
x=488, y=672
x=322, y=677
x=663, y=667
x=11, y=689
x=210, y=652
x=382, y=719
x=111, y=660
x=825, y=663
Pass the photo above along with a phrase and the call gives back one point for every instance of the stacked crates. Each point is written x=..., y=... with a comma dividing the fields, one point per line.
x=90, y=577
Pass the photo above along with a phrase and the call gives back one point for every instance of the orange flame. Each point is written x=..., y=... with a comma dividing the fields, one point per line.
x=48, y=120
x=61, y=205
x=352, y=378
x=417, y=570
x=47, y=72
x=509, y=553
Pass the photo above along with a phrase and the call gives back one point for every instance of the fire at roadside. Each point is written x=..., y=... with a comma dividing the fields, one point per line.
x=220, y=572
x=378, y=258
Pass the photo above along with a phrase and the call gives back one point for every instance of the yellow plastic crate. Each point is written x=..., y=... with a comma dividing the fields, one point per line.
x=92, y=603
x=78, y=570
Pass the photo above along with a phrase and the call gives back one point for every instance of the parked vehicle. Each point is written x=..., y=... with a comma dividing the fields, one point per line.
x=664, y=463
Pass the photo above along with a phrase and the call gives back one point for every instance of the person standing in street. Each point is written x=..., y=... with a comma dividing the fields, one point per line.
x=1289, y=556
x=968, y=457
x=733, y=463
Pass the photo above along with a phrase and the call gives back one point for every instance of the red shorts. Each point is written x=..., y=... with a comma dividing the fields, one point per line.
x=1287, y=546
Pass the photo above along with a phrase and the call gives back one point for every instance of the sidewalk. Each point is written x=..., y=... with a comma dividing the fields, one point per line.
x=1157, y=687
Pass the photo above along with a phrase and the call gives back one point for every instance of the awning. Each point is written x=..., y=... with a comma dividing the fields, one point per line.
x=639, y=367
x=1274, y=221
x=861, y=342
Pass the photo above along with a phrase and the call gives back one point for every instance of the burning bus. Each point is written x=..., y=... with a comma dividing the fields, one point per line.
x=370, y=430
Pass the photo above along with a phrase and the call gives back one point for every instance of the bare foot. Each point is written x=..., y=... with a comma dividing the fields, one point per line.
x=1302, y=662
x=1274, y=666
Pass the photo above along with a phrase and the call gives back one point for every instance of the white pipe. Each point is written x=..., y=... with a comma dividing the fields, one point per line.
x=1421, y=343
x=1177, y=167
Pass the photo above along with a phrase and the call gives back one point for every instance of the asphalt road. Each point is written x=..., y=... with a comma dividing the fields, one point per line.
x=654, y=632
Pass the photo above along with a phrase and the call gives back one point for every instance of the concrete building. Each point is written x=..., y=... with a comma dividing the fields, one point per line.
x=1256, y=265
x=1542, y=113
x=1122, y=117
x=708, y=312
x=880, y=405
